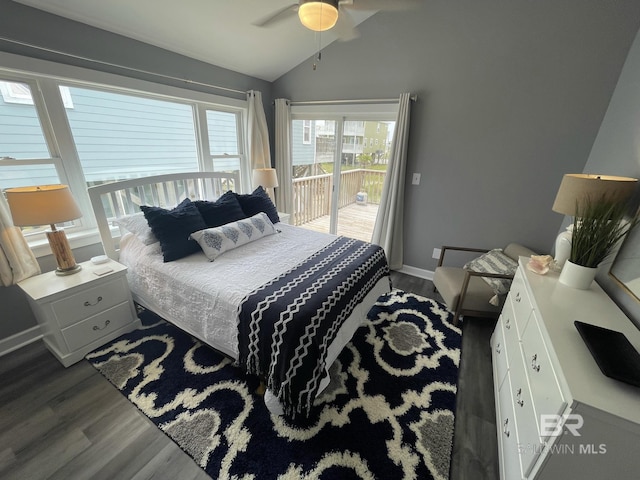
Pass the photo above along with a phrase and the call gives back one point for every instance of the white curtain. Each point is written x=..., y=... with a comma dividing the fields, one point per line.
x=17, y=261
x=284, y=192
x=388, y=229
x=257, y=132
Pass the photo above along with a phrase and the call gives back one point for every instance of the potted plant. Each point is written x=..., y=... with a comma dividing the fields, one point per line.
x=597, y=228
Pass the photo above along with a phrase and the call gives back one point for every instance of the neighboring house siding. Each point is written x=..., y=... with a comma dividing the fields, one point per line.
x=303, y=153
x=131, y=133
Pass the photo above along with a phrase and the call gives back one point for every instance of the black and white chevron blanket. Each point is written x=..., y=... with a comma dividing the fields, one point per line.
x=286, y=325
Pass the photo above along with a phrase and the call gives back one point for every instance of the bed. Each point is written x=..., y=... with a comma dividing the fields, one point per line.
x=226, y=302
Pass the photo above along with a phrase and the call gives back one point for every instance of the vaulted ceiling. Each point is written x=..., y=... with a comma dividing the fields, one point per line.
x=220, y=32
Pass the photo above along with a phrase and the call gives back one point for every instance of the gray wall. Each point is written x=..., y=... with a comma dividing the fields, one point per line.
x=616, y=152
x=511, y=96
x=32, y=26
x=29, y=25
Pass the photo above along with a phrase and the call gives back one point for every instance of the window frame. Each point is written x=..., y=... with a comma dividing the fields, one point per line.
x=44, y=79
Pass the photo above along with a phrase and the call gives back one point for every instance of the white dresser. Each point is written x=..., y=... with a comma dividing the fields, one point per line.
x=557, y=415
x=78, y=313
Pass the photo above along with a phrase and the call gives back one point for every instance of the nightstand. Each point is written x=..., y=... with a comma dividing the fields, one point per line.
x=284, y=217
x=78, y=313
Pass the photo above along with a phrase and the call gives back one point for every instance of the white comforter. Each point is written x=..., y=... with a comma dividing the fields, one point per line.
x=202, y=297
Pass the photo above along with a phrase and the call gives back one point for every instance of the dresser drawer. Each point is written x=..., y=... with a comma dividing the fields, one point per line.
x=499, y=354
x=545, y=389
x=90, y=301
x=511, y=337
x=510, y=467
x=529, y=444
x=520, y=302
x=96, y=327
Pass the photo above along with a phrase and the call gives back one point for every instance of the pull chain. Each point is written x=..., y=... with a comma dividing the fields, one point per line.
x=318, y=55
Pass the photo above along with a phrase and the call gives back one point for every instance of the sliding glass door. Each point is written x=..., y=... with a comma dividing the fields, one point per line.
x=339, y=165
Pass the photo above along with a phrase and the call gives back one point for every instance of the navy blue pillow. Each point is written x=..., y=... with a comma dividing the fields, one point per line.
x=257, y=202
x=173, y=227
x=225, y=210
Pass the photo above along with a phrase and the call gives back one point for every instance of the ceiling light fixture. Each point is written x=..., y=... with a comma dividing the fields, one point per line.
x=318, y=15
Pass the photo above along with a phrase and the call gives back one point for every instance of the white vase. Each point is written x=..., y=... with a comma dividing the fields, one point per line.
x=563, y=247
x=577, y=276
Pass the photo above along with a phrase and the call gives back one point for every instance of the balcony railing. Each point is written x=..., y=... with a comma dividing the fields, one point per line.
x=312, y=195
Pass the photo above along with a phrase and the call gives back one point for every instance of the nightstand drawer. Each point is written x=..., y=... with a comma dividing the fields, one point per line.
x=90, y=302
x=93, y=328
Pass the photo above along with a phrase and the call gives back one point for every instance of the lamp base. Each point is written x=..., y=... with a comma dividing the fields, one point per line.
x=62, y=253
x=68, y=271
x=563, y=247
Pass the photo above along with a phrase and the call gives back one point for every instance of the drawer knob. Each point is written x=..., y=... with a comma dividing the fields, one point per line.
x=106, y=324
x=505, y=428
x=89, y=304
x=534, y=363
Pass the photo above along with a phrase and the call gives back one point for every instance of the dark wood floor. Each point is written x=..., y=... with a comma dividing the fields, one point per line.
x=58, y=423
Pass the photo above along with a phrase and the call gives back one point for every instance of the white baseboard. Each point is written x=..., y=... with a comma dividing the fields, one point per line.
x=417, y=272
x=19, y=340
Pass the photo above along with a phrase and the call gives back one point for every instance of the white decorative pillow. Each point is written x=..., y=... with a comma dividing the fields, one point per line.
x=215, y=241
x=494, y=261
x=138, y=225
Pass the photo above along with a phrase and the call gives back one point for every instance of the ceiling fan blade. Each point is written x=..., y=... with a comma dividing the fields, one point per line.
x=277, y=16
x=345, y=27
x=381, y=4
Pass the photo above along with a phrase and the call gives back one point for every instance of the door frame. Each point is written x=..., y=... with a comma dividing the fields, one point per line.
x=341, y=113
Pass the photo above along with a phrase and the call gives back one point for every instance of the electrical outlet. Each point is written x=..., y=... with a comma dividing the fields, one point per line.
x=416, y=179
x=436, y=253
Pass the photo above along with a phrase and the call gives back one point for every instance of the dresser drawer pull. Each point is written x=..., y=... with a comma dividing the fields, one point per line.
x=505, y=428
x=519, y=400
x=518, y=299
x=534, y=363
x=106, y=324
x=507, y=324
x=89, y=304
x=498, y=350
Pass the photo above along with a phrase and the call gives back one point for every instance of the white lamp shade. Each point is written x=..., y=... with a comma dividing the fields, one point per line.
x=578, y=187
x=42, y=205
x=266, y=177
x=318, y=15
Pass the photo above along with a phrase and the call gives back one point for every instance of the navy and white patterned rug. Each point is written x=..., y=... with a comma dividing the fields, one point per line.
x=388, y=412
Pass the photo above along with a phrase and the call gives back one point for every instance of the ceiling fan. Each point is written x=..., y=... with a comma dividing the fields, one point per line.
x=321, y=15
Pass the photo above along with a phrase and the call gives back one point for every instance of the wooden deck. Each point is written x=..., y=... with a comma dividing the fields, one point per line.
x=354, y=221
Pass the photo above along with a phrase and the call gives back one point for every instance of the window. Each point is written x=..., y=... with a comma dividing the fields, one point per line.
x=84, y=130
x=14, y=92
x=306, y=132
x=119, y=136
x=224, y=144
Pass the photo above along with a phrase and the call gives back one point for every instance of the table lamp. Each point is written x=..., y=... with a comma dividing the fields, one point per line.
x=574, y=189
x=266, y=177
x=47, y=205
